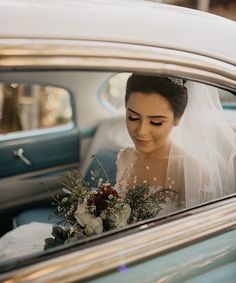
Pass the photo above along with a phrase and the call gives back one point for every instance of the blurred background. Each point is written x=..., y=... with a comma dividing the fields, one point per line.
x=224, y=8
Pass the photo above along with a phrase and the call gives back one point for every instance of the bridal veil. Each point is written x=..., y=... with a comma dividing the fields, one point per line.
x=202, y=157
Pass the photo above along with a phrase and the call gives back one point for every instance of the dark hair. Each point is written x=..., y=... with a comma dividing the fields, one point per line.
x=170, y=89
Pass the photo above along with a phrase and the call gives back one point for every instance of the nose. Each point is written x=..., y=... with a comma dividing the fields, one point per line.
x=143, y=128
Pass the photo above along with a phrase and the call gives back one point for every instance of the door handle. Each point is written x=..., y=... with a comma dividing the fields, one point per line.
x=19, y=154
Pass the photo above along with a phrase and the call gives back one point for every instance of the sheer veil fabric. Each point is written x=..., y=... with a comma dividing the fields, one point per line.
x=203, y=149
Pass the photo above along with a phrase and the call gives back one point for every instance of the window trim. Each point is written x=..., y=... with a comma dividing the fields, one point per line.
x=74, y=54
x=36, y=132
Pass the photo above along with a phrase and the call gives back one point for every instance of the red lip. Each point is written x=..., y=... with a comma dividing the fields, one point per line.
x=142, y=142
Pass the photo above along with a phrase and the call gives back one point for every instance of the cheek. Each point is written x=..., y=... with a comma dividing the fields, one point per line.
x=162, y=132
x=168, y=129
x=130, y=126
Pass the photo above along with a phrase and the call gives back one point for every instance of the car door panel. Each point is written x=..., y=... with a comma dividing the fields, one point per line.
x=43, y=151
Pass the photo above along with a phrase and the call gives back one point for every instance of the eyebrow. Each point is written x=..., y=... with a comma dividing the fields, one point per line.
x=150, y=116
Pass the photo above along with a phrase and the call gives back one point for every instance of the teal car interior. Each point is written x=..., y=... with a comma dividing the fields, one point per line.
x=67, y=65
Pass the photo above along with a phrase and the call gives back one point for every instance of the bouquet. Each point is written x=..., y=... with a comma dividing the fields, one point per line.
x=88, y=211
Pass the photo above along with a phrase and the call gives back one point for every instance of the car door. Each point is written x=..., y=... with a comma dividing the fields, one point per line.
x=39, y=138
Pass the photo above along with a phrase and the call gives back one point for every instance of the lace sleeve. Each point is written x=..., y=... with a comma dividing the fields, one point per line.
x=124, y=159
x=118, y=165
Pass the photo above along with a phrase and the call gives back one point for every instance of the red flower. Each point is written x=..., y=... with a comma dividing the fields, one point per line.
x=107, y=189
x=101, y=199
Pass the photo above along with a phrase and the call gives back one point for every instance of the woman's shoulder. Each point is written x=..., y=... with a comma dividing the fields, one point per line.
x=125, y=153
x=125, y=158
x=180, y=154
x=127, y=149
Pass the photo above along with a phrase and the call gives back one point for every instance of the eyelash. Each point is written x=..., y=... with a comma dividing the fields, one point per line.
x=132, y=119
x=157, y=124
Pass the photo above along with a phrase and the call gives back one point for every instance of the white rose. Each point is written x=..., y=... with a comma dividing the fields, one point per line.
x=81, y=214
x=123, y=216
x=92, y=224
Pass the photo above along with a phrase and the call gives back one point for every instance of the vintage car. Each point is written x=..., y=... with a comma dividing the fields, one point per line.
x=63, y=69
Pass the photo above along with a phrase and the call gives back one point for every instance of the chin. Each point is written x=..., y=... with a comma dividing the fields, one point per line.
x=145, y=149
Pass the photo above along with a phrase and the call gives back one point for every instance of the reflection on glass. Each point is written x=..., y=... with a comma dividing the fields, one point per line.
x=28, y=107
x=113, y=93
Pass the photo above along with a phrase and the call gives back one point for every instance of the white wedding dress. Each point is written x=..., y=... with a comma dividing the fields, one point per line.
x=125, y=165
x=24, y=240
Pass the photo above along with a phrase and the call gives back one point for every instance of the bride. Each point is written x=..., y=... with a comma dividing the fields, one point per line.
x=181, y=141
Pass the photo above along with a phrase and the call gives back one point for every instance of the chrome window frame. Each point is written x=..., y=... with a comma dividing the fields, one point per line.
x=50, y=53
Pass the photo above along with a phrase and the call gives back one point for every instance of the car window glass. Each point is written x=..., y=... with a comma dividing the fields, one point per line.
x=228, y=99
x=88, y=213
x=32, y=106
x=112, y=93
x=228, y=102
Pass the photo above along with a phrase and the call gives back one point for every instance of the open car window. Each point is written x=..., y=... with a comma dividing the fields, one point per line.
x=91, y=206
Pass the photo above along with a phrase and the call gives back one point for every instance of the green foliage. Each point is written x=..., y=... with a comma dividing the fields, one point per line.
x=60, y=236
x=143, y=205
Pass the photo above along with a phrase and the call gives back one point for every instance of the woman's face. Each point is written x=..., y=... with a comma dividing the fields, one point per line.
x=149, y=119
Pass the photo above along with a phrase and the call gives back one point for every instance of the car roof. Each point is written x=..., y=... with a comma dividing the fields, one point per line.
x=131, y=22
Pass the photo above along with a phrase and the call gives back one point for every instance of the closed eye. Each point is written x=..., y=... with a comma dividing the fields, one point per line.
x=158, y=124
x=130, y=118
